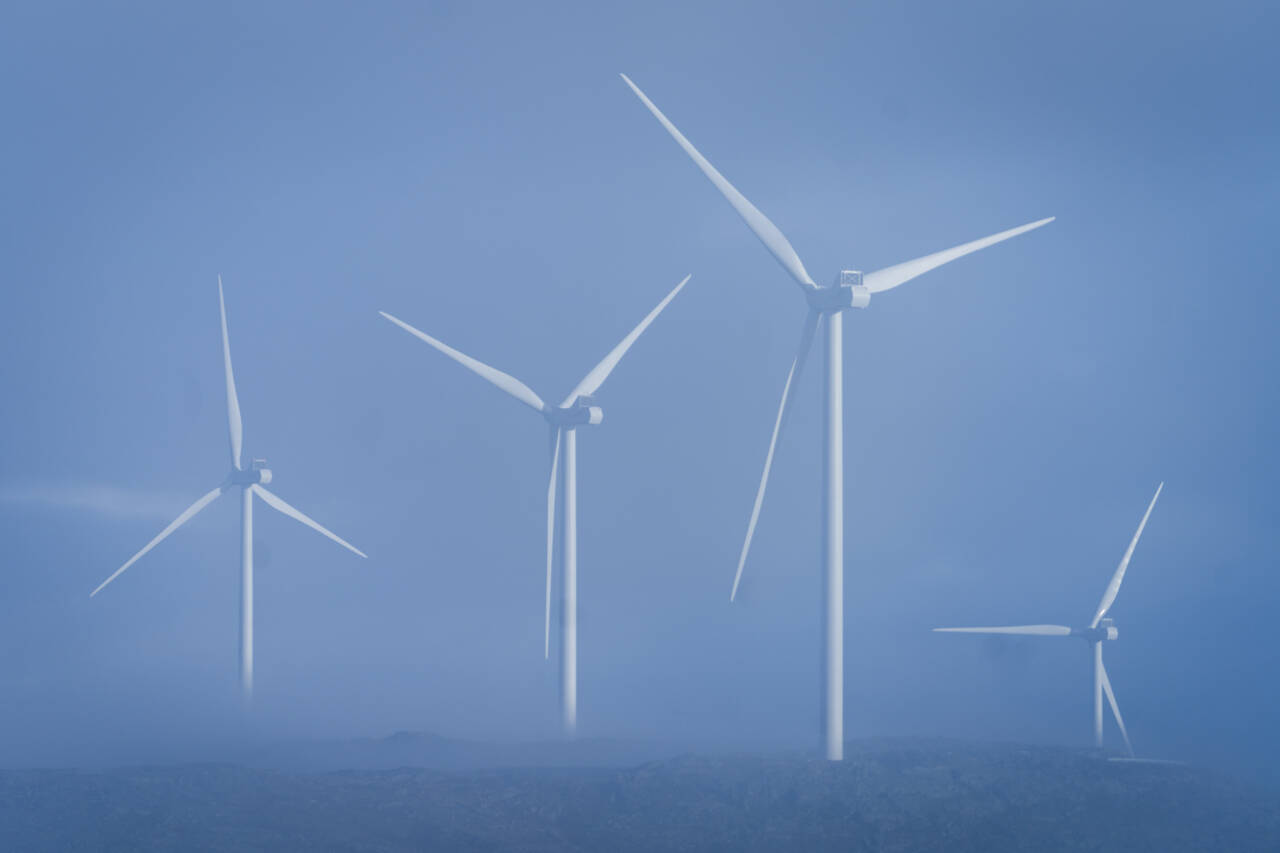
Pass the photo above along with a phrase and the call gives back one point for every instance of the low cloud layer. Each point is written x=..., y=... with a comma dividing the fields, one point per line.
x=95, y=498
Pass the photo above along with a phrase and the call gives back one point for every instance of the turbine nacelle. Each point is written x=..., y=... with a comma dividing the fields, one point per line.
x=258, y=473
x=847, y=291
x=580, y=413
x=1106, y=630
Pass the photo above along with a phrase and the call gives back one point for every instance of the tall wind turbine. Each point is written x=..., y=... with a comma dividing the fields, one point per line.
x=850, y=289
x=1100, y=630
x=250, y=481
x=577, y=410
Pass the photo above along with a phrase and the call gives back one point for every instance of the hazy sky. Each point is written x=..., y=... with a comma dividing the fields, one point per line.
x=481, y=171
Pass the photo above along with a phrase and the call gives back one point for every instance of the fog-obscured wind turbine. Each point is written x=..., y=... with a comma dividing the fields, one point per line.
x=251, y=481
x=1100, y=630
x=850, y=289
x=577, y=410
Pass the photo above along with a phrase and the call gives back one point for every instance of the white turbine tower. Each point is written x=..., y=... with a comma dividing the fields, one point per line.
x=1100, y=630
x=850, y=289
x=250, y=481
x=577, y=410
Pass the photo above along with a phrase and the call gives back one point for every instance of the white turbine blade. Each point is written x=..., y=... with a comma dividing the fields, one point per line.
x=788, y=394
x=1115, y=707
x=768, y=233
x=234, y=425
x=891, y=277
x=1038, y=630
x=174, y=525
x=510, y=384
x=593, y=380
x=1113, y=588
x=275, y=502
x=551, y=533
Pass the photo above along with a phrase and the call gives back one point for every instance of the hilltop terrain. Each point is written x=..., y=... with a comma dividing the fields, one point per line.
x=899, y=795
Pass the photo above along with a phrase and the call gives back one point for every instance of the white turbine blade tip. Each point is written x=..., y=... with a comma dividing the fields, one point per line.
x=1033, y=630
x=496, y=377
x=235, y=424
x=280, y=505
x=768, y=233
x=1113, y=588
x=1115, y=706
x=890, y=277
x=784, y=407
x=552, y=486
x=592, y=382
x=182, y=519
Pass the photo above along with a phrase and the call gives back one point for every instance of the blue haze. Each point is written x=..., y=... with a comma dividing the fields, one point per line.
x=480, y=171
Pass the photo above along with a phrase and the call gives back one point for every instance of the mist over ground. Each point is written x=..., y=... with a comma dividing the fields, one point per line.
x=482, y=172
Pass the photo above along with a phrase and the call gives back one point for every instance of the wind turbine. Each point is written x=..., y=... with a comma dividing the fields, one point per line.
x=250, y=481
x=850, y=289
x=1100, y=630
x=577, y=410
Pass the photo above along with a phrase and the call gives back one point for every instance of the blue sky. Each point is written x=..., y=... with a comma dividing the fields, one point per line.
x=481, y=172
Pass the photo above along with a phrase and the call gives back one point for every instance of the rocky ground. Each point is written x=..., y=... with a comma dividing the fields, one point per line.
x=887, y=796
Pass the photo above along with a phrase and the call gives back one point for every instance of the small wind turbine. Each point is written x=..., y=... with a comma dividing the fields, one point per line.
x=577, y=410
x=850, y=289
x=251, y=481
x=1100, y=630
